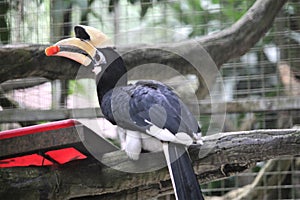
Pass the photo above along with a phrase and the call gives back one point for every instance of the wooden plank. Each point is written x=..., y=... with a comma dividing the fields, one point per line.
x=86, y=140
x=253, y=105
x=38, y=142
x=37, y=128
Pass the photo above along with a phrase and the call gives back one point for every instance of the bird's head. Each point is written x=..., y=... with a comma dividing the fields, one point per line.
x=83, y=48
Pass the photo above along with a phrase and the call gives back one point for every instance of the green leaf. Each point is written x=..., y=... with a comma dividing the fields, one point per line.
x=133, y=1
x=112, y=4
x=215, y=1
x=145, y=4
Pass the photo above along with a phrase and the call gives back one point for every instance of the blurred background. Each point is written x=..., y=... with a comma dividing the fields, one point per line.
x=262, y=87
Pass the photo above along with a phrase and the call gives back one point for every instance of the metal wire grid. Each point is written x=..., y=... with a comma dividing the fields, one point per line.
x=288, y=190
x=251, y=76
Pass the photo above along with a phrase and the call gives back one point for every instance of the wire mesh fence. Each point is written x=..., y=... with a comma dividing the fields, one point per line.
x=269, y=71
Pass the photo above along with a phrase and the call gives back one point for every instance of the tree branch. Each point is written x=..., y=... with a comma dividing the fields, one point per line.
x=29, y=60
x=22, y=83
x=222, y=155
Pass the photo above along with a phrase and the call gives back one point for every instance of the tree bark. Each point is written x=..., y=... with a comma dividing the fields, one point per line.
x=222, y=155
x=30, y=60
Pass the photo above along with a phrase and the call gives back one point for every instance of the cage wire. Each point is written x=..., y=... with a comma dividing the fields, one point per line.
x=269, y=71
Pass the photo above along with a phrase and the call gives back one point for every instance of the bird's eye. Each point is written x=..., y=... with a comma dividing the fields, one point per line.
x=99, y=59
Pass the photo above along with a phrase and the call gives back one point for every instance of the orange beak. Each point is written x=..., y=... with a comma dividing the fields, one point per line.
x=52, y=50
x=59, y=49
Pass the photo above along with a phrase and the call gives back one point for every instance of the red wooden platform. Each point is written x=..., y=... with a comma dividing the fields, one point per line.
x=51, y=143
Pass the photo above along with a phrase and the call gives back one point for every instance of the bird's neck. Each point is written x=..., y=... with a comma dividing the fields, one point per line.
x=114, y=74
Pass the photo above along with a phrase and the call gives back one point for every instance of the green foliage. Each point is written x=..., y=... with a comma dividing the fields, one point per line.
x=144, y=5
x=114, y=142
x=201, y=18
x=4, y=26
x=256, y=169
x=230, y=182
x=75, y=87
x=205, y=121
x=191, y=13
x=235, y=9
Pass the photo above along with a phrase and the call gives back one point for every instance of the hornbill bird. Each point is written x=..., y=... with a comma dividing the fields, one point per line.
x=153, y=116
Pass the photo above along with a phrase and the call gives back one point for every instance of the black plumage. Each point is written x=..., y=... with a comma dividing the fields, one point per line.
x=143, y=104
x=131, y=106
x=146, y=107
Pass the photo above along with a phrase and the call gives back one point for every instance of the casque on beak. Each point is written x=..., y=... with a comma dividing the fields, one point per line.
x=78, y=50
x=87, y=39
x=92, y=35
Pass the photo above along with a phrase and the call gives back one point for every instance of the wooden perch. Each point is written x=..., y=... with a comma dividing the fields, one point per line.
x=222, y=155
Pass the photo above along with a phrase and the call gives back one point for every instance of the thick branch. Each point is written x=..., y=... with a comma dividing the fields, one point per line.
x=31, y=61
x=232, y=152
x=26, y=61
x=22, y=83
